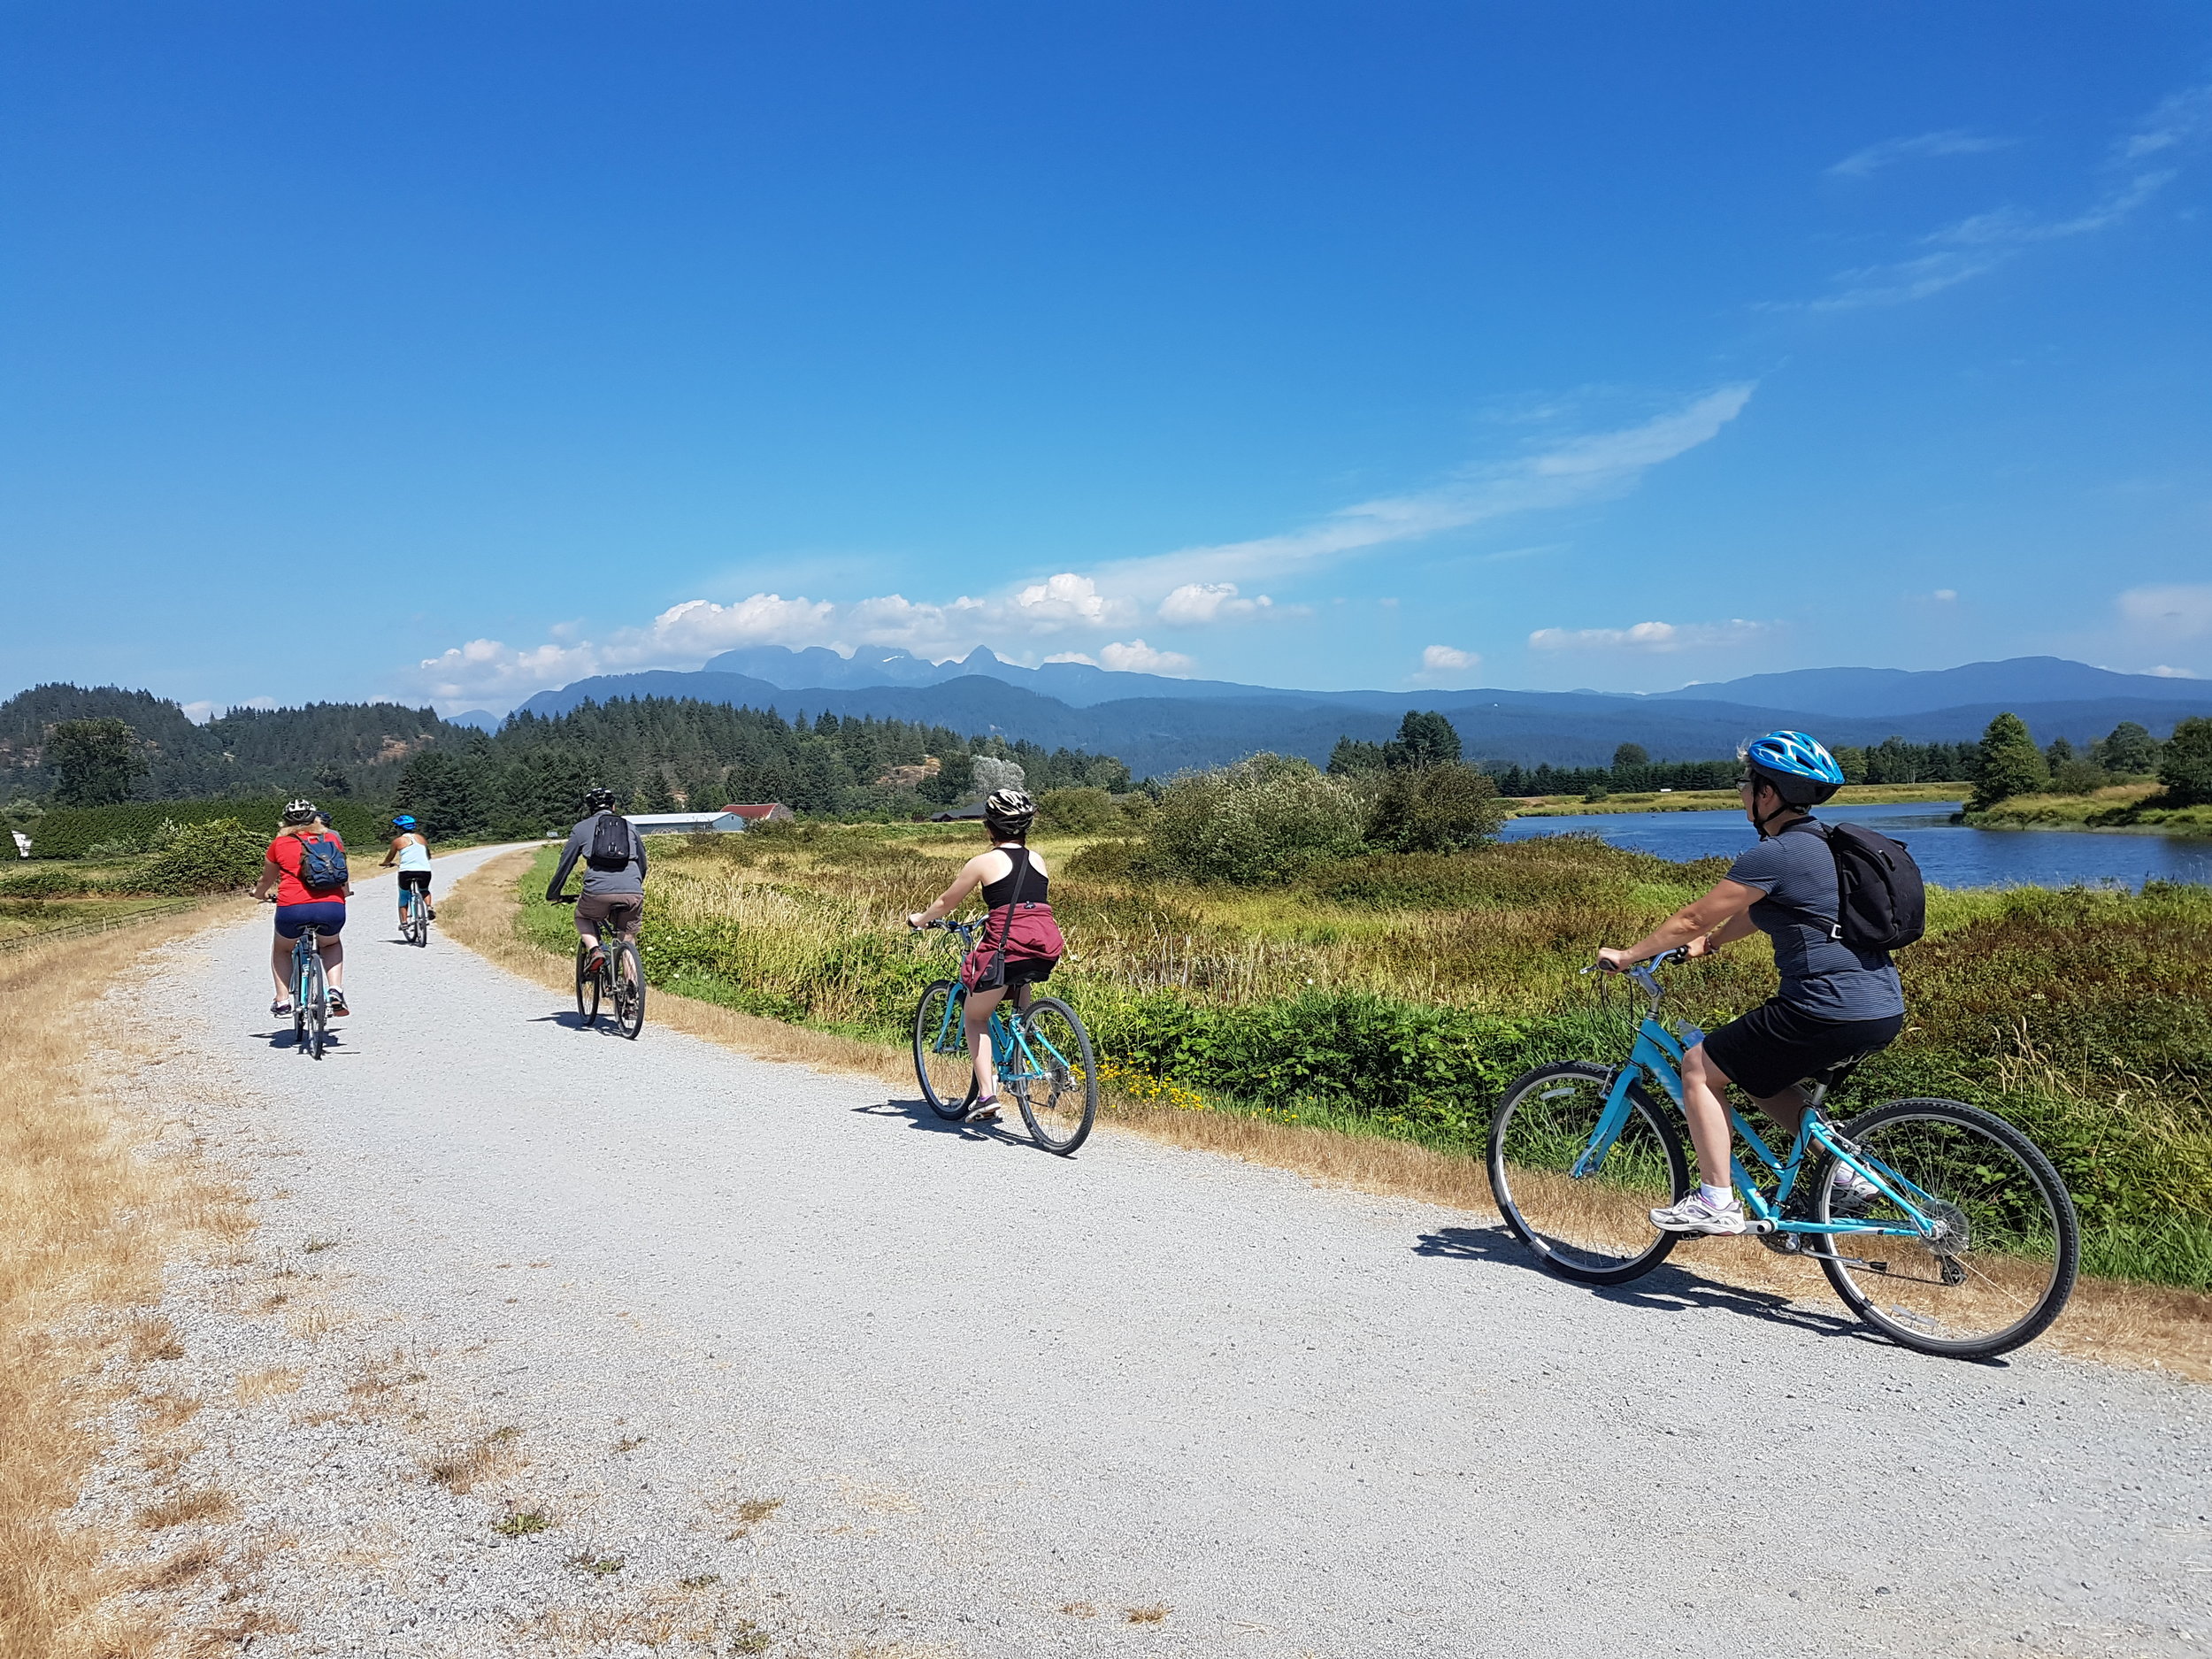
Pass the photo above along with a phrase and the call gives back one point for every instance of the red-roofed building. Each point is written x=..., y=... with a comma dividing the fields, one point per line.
x=774, y=814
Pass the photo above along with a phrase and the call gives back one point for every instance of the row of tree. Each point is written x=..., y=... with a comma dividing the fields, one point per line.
x=662, y=754
x=2007, y=763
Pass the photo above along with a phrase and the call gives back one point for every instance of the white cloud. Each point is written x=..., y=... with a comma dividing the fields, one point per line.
x=199, y=710
x=1648, y=636
x=1135, y=656
x=1944, y=596
x=1442, y=664
x=2176, y=121
x=1563, y=474
x=2180, y=611
x=1191, y=587
x=2164, y=673
x=1953, y=142
x=1981, y=242
x=1197, y=603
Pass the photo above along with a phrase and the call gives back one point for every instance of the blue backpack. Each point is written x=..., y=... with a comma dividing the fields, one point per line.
x=323, y=864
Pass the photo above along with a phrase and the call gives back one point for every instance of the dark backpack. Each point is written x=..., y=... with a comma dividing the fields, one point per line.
x=1881, y=902
x=322, y=864
x=610, y=840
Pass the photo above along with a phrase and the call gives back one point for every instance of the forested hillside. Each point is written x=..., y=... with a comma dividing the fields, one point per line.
x=332, y=748
x=665, y=753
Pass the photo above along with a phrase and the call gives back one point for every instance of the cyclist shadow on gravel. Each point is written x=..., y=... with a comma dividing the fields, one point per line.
x=1667, y=1288
x=918, y=1116
x=569, y=1019
x=284, y=1039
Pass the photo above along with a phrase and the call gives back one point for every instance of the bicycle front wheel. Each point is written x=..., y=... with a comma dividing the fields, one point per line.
x=943, y=1064
x=2003, y=1265
x=1054, y=1076
x=1595, y=1227
x=628, y=970
x=586, y=987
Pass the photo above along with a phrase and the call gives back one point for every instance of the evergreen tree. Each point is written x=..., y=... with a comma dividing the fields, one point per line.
x=1424, y=738
x=2130, y=750
x=2008, y=762
x=1630, y=755
x=97, y=762
x=2185, y=767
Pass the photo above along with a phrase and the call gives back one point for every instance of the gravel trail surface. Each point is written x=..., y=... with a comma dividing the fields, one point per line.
x=773, y=1362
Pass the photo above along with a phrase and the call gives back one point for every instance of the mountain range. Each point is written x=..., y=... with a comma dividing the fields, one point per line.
x=1158, y=724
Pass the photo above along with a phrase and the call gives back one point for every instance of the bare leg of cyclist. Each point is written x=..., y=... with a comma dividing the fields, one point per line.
x=1713, y=1207
x=281, y=966
x=979, y=1007
x=333, y=959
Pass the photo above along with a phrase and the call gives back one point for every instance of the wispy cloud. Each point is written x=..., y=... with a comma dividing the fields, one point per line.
x=1981, y=242
x=1649, y=637
x=1922, y=146
x=1193, y=588
x=2179, y=120
x=2176, y=610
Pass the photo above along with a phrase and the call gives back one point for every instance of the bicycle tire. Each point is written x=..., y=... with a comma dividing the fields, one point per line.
x=318, y=1005
x=587, y=989
x=1944, y=1147
x=1590, y=1231
x=1061, y=1120
x=418, y=919
x=930, y=1021
x=299, y=1004
x=626, y=979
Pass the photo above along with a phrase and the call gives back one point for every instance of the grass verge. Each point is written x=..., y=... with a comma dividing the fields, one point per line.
x=84, y=1224
x=1724, y=799
x=2108, y=1320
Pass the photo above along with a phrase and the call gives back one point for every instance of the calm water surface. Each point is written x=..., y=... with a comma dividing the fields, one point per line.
x=1952, y=854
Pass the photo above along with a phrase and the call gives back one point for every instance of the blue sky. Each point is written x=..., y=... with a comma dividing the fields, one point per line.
x=447, y=352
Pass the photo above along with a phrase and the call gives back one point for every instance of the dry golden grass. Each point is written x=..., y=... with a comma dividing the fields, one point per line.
x=192, y=1503
x=266, y=1385
x=83, y=1224
x=465, y=1467
x=2109, y=1321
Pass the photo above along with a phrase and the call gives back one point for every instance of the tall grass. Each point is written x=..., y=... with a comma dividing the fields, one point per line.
x=1395, y=994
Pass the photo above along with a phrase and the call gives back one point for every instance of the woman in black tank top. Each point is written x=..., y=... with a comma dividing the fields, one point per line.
x=1007, y=875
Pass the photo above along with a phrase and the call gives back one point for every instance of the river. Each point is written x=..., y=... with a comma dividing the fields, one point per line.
x=1950, y=855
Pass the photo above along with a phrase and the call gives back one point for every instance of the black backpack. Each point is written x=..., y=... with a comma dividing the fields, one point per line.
x=610, y=841
x=1881, y=902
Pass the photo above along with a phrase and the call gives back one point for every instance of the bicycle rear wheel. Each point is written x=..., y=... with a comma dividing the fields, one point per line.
x=587, y=988
x=317, y=1004
x=943, y=1064
x=1593, y=1228
x=2004, y=1265
x=418, y=919
x=1054, y=1076
x=626, y=971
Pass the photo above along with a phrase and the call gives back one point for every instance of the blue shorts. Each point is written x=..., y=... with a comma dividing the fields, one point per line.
x=329, y=915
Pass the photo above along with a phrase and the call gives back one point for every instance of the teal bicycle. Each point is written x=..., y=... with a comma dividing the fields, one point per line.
x=1042, y=1054
x=1938, y=1224
x=414, y=916
x=310, y=995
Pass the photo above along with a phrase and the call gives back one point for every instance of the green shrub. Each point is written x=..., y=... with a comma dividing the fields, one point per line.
x=206, y=858
x=42, y=883
x=1076, y=811
x=1267, y=818
x=1433, y=810
x=2008, y=762
x=74, y=832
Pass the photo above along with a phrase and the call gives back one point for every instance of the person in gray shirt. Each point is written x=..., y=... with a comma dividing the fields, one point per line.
x=614, y=894
x=1835, y=1004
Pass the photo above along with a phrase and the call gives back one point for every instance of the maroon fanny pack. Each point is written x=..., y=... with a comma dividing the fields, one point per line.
x=1017, y=934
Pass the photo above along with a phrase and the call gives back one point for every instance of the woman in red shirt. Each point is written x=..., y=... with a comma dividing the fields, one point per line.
x=300, y=906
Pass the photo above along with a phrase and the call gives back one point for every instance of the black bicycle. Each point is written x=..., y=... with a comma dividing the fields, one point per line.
x=615, y=979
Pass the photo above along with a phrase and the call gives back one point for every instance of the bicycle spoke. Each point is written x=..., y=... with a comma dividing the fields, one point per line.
x=1595, y=1226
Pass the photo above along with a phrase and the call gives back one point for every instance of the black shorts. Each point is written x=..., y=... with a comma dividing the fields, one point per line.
x=1776, y=1045
x=414, y=879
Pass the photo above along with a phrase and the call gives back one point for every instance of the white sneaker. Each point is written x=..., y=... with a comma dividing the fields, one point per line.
x=1694, y=1215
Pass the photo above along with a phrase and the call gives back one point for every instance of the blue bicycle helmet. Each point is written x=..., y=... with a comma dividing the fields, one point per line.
x=403, y=821
x=1800, y=771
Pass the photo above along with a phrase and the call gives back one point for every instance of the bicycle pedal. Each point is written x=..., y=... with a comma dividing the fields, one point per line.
x=1758, y=1225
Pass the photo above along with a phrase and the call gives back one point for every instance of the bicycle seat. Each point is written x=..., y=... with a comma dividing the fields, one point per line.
x=1835, y=1076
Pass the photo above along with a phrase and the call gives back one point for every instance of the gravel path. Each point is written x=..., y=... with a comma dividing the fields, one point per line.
x=825, y=1376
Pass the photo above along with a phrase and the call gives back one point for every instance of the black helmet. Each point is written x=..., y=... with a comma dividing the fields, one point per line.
x=1010, y=811
x=598, y=800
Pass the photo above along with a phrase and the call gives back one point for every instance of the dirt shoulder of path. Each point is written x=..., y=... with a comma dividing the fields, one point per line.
x=2148, y=1327
x=91, y=1211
